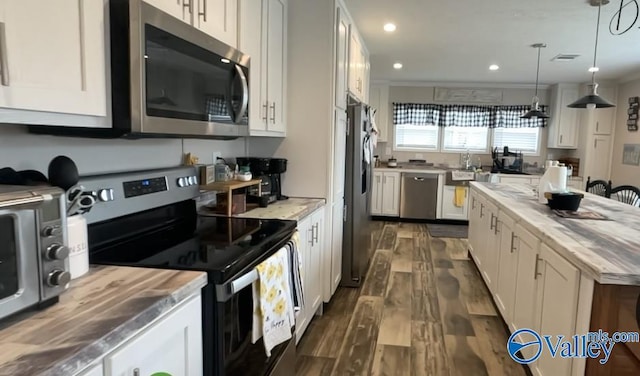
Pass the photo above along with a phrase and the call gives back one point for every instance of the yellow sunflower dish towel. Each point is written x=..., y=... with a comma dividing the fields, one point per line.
x=273, y=315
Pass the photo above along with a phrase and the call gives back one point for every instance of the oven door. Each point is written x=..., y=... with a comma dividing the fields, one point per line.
x=184, y=82
x=239, y=356
x=19, y=276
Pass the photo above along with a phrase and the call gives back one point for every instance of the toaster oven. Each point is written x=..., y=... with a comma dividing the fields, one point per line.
x=33, y=255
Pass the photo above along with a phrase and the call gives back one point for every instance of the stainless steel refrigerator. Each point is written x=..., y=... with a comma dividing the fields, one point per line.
x=356, y=247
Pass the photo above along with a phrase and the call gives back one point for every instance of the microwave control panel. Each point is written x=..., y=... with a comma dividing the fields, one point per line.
x=144, y=187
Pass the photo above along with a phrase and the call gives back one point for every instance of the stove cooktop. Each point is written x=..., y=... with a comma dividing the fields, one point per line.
x=221, y=246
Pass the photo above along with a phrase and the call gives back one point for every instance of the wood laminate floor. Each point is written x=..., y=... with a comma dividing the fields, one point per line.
x=423, y=309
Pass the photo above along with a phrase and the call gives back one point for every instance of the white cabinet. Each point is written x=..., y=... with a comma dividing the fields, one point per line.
x=311, y=231
x=474, y=225
x=507, y=268
x=358, y=63
x=53, y=63
x=218, y=18
x=490, y=254
x=342, y=57
x=563, y=122
x=379, y=99
x=385, y=194
x=263, y=35
x=604, y=118
x=556, y=306
x=598, y=157
x=97, y=370
x=449, y=208
x=172, y=345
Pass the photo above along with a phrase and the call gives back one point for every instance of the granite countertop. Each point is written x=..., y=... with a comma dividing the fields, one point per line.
x=293, y=209
x=606, y=250
x=96, y=314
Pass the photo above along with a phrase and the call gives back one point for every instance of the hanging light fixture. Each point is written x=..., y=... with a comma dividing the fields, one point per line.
x=592, y=99
x=535, y=111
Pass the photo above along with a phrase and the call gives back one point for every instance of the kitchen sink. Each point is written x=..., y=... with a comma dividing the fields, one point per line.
x=448, y=180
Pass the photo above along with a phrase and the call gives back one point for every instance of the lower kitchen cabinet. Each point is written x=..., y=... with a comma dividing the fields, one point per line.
x=556, y=306
x=474, y=225
x=385, y=194
x=507, y=268
x=173, y=346
x=449, y=208
x=312, y=250
x=489, y=255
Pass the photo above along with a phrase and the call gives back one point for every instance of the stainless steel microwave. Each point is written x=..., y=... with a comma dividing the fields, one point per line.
x=169, y=79
x=33, y=254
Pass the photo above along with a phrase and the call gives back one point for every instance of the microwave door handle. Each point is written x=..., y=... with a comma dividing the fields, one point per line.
x=245, y=94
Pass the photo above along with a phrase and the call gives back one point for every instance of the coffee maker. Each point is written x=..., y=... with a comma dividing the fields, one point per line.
x=270, y=171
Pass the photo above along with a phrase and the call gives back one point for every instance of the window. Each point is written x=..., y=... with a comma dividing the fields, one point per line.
x=521, y=139
x=465, y=138
x=420, y=137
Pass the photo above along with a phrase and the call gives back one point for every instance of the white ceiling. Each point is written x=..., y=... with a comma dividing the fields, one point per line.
x=457, y=40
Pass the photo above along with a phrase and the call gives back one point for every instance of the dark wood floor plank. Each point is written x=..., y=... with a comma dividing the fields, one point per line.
x=375, y=283
x=313, y=366
x=474, y=292
x=464, y=356
x=428, y=354
x=492, y=337
x=452, y=309
x=358, y=348
x=388, y=237
x=403, y=255
x=395, y=328
x=392, y=361
x=424, y=299
x=421, y=247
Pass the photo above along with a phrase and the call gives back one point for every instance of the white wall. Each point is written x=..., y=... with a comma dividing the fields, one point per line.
x=21, y=150
x=425, y=94
x=624, y=174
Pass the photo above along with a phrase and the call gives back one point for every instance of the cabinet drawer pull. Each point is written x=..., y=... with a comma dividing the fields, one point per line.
x=273, y=112
x=204, y=10
x=495, y=228
x=4, y=59
x=492, y=218
x=481, y=210
x=535, y=273
x=595, y=144
x=265, y=107
x=188, y=5
x=513, y=238
x=311, y=237
x=315, y=237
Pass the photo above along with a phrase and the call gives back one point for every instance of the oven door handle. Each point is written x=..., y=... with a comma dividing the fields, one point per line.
x=226, y=291
x=20, y=201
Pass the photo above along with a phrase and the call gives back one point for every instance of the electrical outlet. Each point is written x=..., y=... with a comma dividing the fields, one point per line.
x=215, y=155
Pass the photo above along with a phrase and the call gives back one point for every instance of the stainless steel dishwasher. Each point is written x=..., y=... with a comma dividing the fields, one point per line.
x=418, y=196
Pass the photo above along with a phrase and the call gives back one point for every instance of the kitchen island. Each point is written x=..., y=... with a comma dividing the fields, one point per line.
x=96, y=321
x=559, y=276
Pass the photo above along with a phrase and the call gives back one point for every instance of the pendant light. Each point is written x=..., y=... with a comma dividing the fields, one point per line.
x=535, y=111
x=592, y=99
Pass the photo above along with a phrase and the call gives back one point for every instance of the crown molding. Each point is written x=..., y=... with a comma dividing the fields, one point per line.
x=479, y=85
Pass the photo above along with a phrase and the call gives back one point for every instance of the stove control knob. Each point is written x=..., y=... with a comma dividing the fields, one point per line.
x=191, y=180
x=195, y=180
x=58, y=278
x=51, y=231
x=182, y=182
x=105, y=195
x=57, y=252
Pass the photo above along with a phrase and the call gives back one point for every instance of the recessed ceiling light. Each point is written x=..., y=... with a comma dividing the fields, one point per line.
x=226, y=61
x=389, y=27
x=594, y=69
x=397, y=66
x=493, y=67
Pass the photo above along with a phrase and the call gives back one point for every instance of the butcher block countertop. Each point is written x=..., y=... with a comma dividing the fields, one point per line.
x=98, y=312
x=606, y=250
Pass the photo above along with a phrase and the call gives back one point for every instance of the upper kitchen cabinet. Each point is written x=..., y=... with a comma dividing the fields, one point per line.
x=263, y=35
x=358, y=63
x=563, y=121
x=217, y=18
x=605, y=118
x=379, y=99
x=53, y=64
x=342, y=57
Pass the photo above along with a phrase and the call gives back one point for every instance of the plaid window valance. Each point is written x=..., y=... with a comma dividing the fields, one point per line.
x=465, y=115
x=416, y=113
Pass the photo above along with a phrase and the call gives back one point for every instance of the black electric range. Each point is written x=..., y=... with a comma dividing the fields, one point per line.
x=161, y=229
